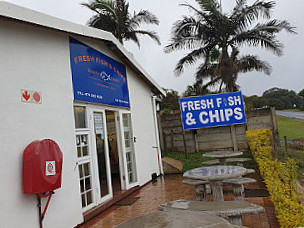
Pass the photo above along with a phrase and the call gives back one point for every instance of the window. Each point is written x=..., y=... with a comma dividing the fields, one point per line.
x=80, y=117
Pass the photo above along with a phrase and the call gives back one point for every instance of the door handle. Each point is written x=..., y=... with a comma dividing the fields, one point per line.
x=134, y=139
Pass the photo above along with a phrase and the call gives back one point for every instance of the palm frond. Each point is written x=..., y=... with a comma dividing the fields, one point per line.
x=250, y=62
x=209, y=6
x=212, y=83
x=256, y=38
x=244, y=15
x=184, y=43
x=153, y=35
x=143, y=16
x=103, y=22
x=101, y=6
x=205, y=70
x=133, y=36
x=191, y=58
x=274, y=26
x=188, y=33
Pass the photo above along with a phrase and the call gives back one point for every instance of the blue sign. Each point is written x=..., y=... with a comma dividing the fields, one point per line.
x=97, y=78
x=212, y=110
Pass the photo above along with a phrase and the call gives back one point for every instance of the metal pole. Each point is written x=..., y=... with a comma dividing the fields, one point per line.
x=39, y=210
x=285, y=140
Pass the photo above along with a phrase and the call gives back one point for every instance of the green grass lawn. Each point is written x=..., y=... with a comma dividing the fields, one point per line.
x=297, y=155
x=290, y=127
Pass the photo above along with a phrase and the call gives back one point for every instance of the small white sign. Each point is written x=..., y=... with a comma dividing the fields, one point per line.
x=31, y=96
x=50, y=168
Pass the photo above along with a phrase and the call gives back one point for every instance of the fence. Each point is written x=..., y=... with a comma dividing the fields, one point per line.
x=173, y=138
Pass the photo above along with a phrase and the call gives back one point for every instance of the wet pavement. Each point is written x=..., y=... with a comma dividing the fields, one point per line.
x=170, y=188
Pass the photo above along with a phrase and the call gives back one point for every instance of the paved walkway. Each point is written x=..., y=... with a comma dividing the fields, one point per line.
x=171, y=188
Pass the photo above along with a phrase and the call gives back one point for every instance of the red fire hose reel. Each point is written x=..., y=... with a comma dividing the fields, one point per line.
x=42, y=169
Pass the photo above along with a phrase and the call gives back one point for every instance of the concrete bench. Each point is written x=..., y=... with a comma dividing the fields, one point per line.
x=177, y=219
x=239, y=161
x=230, y=210
x=201, y=188
x=238, y=186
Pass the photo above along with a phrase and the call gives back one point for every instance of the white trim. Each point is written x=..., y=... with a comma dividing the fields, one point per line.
x=126, y=181
x=100, y=199
x=159, y=159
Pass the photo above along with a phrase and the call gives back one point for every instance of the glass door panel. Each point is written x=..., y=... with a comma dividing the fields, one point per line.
x=129, y=148
x=85, y=171
x=85, y=184
x=102, y=158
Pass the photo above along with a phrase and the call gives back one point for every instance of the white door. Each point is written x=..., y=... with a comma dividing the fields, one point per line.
x=130, y=172
x=101, y=158
x=93, y=153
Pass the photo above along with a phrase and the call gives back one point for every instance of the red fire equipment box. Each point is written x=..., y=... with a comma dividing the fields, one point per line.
x=42, y=166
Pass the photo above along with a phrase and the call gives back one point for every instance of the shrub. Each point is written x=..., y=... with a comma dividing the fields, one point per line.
x=280, y=179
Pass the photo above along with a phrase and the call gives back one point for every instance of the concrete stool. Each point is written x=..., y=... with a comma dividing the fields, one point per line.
x=249, y=171
x=238, y=186
x=239, y=161
x=200, y=188
x=230, y=210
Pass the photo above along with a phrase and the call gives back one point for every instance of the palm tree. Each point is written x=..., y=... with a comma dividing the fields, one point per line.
x=113, y=16
x=215, y=36
x=211, y=70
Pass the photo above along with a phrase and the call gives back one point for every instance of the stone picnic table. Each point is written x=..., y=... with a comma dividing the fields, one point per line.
x=177, y=219
x=216, y=175
x=230, y=210
x=222, y=155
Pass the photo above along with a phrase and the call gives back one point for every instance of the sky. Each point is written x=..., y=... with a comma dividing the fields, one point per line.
x=287, y=70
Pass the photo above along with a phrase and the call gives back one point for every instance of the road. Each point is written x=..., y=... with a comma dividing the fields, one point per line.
x=297, y=115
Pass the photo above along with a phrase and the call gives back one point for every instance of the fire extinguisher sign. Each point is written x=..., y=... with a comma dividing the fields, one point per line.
x=50, y=168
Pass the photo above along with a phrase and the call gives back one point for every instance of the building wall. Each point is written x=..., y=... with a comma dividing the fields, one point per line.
x=38, y=59
x=144, y=129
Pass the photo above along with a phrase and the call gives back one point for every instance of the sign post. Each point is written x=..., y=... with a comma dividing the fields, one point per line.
x=212, y=111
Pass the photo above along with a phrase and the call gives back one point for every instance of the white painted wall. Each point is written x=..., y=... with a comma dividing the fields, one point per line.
x=38, y=59
x=144, y=129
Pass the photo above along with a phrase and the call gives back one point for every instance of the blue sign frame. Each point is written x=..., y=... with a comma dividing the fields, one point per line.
x=97, y=78
x=212, y=110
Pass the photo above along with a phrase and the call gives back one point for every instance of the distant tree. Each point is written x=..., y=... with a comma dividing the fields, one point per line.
x=282, y=98
x=211, y=30
x=301, y=93
x=114, y=16
x=254, y=102
x=170, y=102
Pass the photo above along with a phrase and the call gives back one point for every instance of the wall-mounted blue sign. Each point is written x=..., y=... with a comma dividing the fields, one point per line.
x=212, y=110
x=97, y=78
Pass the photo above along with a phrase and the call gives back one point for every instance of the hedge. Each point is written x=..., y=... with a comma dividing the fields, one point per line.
x=280, y=179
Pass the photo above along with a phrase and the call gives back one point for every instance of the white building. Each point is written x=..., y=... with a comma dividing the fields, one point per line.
x=79, y=87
